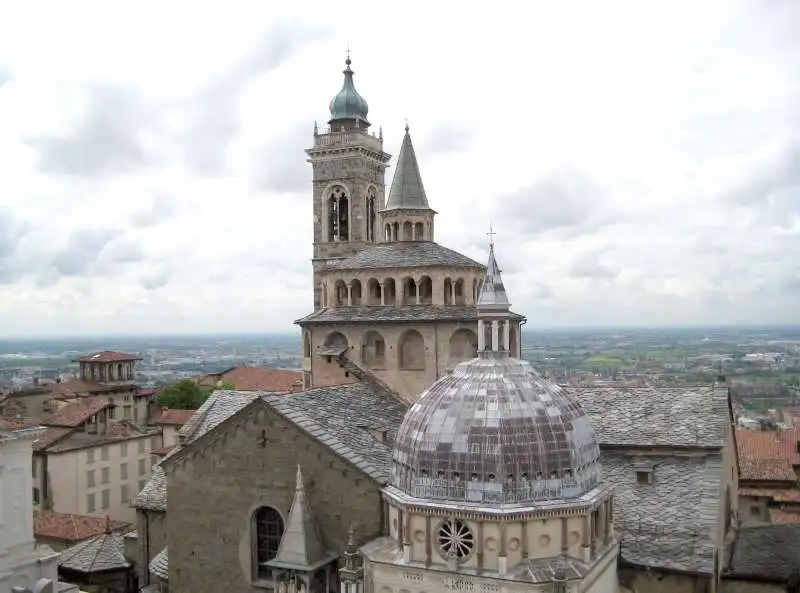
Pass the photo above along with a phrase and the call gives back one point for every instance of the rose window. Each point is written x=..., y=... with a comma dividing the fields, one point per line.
x=455, y=538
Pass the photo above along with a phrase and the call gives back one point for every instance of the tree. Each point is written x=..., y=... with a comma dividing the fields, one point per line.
x=183, y=395
x=226, y=386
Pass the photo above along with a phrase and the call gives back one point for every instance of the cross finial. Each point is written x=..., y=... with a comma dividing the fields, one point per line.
x=406, y=124
x=491, y=235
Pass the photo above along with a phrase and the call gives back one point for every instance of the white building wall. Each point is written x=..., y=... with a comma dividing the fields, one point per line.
x=22, y=564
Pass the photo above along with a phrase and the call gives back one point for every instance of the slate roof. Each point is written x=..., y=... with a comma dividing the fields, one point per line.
x=404, y=254
x=670, y=523
x=153, y=497
x=765, y=552
x=657, y=416
x=104, y=552
x=345, y=419
x=407, y=191
x=404, y=314
x=159, y=565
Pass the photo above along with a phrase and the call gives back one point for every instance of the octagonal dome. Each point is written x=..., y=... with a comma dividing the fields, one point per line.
x=496, y=431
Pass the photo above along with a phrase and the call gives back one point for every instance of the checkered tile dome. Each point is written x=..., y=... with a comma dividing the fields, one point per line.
x=496, y=431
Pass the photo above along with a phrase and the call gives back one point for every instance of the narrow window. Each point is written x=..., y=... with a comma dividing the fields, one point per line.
x=268, y=533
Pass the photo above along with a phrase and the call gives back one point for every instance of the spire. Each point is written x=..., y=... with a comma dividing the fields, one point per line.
x=348, y=107
x=493, y=293
x=407, y=191
x=301, y=546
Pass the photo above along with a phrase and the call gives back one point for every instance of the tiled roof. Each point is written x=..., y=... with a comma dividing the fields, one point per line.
x=159, y=566
x=657, y=416
x=408, y=254
x=103, y=552
x=403, y=314
x=769, y=444
x=765, y=552
x=253, y=378
x=670, y=523
x=74, y=387
x=220, y=405
x=161, y=451
x=772, y=470
x=80, y=439
x=153, y=497
x=784, y=516
x=76, y=413
x=17, y=423
x=107, y=356
x=174, y=417
x=69, y=527
x=50, y=437
x=786, y=495
x=346, y=419
x=145, y=392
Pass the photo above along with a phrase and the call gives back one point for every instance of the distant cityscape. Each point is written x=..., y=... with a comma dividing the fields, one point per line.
x=762, y=364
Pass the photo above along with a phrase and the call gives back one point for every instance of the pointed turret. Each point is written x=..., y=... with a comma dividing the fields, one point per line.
x=407, y=215
x=351, y=574
x=301, y=546
x=407, y=191
x=494, y=310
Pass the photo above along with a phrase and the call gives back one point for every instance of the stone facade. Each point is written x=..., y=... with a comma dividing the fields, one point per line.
x=226, y=476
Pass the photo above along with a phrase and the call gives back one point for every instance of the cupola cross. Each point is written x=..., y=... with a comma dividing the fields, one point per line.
x=491, y=234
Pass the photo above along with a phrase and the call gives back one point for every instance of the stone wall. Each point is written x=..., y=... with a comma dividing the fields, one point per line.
x=218, y=484
x=151, y=529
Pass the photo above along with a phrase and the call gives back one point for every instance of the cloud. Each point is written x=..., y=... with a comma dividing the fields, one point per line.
x=81, y=252
x=107, y=138
x=155, y=280
x=213, y=114
x=276, y=166
x=447, y=138
x=588, y=265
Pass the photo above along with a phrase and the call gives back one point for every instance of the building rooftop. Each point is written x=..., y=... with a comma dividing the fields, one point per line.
x=72, y=528
x=107, y=356
x=255, y=378
x=75, y=413
x=402, y=255
x=404, y=314
x=174, y=417
x=767, y=470
x=100, y=553
x=765, y=553
x=769, y=444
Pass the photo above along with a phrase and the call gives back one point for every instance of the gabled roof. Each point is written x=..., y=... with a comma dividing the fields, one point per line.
x=75, y=413
x=407, y=191
x=301, y=546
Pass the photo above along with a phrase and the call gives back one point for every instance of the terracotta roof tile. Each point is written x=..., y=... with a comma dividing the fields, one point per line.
x=769, y=444
x=766, y=469
x=50, y=437
x=162, y=451
x=76, y=413
x=107, y=356
x=72, y=528
x=784, y=516
x=776, y=494
x=17, y=423
x=253, y=378
x=176, y=417
x=145, y=391
x=73, y=387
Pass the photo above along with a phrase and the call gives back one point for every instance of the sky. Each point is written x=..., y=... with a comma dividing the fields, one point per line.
x=639, y=161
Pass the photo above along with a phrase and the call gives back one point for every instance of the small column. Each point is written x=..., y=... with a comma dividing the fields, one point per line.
x=416, y=284
x=495, y=336
x=349, y=294
x=507, y=336
x=586, y=551
x=407, y=538
x=611, y=517
x=452, y=293
x=502, y=553
x=479, y=553
x=383, y=293
x=481, y=336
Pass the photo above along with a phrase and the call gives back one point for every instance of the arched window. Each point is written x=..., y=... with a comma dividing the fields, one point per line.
x=338, y=215
x=267, y=538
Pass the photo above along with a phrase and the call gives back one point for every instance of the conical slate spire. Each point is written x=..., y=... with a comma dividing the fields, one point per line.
x=301, y=545
x=407, y=191
x=493, y=293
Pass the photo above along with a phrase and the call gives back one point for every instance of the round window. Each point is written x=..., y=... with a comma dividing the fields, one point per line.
x=455, y=539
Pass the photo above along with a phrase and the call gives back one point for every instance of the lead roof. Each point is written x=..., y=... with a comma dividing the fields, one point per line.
x=403, y=314
x=404, y=254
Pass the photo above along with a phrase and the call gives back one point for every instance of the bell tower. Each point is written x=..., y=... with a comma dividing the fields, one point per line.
x=349, y=165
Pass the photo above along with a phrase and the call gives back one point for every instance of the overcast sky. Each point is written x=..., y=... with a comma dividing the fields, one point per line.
x=640, y=161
